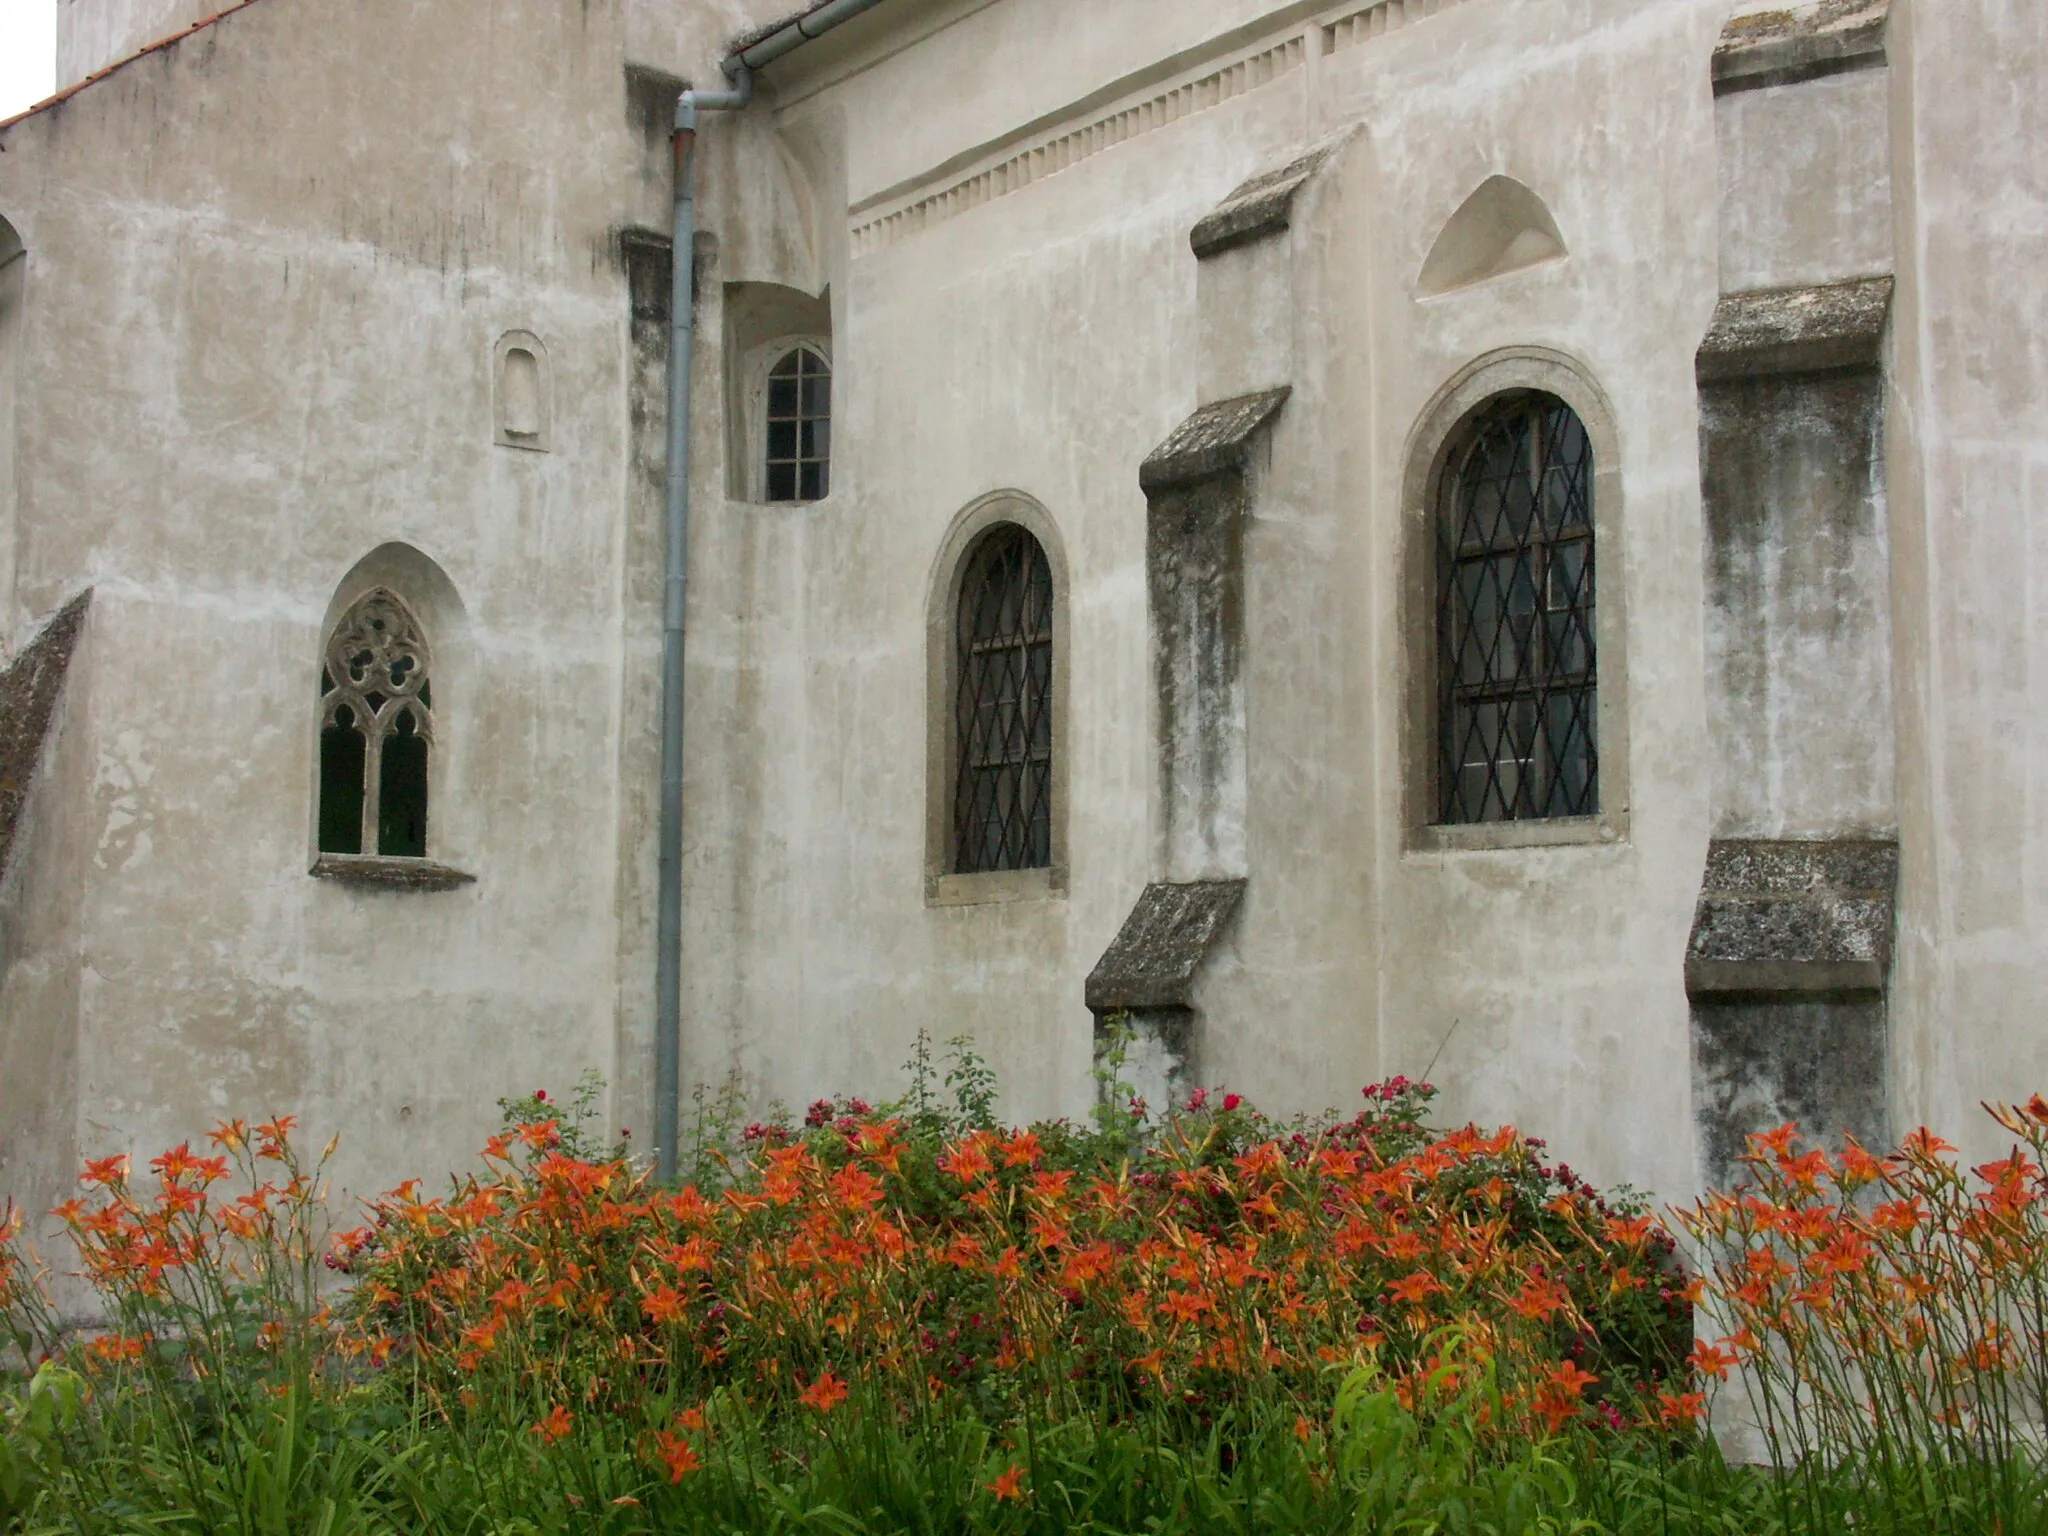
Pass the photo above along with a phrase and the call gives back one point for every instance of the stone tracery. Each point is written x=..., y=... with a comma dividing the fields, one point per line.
x=376, y=727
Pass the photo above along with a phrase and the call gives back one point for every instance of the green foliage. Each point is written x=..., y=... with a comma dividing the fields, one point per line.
x=32, y=1426
x=578, y=1121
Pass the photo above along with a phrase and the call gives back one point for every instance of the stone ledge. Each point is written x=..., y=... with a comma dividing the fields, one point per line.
x=29, y=689
x=1786, y=46
x=1213, y=441
x=1731, y=979
x=1792, y=918
x=1259, y=207
x=377, y=873
x=1767, y=331
x=1784, y=867
x=1161, y=946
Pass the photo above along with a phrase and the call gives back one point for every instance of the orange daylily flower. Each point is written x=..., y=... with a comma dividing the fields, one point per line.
x=1416, y=1288
x=1681, y=1410
x=676, y=1454
x=824, y=1394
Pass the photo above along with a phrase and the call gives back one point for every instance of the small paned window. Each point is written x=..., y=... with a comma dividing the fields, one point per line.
x=799, y=418
x=1002, y=722
x=1517, y=695
x=376, y=730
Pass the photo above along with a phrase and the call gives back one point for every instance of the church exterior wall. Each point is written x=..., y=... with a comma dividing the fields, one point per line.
x=264, y=313
x=1061, y=326
x=91, y=34
x=268, y=269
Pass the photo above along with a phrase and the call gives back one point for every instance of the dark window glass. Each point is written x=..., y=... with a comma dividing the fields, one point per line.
x=1002, y=789
x=341, y=784
x=1517, y=694
x=799, y=446
x=402, y=792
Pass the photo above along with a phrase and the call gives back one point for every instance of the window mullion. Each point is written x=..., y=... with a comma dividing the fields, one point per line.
x=373, y=783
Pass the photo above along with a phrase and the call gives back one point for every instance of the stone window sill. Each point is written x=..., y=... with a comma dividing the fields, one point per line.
x=995, y=886
x=377, y=873
x=1488, y=836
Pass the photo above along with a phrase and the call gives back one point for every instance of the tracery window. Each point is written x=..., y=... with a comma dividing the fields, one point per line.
x=376, y=730
x=1517, y=684
x=1003, y=706
x=799, y=426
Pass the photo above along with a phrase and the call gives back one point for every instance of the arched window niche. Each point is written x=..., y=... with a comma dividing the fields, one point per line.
x=780, y=395
x=380, y=776
x=996, y=721
x=1514, y=641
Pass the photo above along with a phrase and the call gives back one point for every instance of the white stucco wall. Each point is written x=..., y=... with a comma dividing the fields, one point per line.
x=1046, y=339
x=1969, y=473
x=261, y=311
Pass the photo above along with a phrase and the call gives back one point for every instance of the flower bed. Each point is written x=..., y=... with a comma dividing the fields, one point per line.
x=909, y=1319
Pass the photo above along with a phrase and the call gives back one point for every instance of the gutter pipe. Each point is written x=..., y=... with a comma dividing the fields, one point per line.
x=739, y=68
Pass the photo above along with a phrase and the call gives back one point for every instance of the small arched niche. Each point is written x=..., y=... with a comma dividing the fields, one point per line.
x=524, y=392
x=1500, y=229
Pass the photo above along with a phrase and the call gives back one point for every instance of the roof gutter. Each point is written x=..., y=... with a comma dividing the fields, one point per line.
x=813, y=24
x=739, y=68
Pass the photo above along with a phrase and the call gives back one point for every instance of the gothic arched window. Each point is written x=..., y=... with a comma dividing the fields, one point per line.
x=799, y=422
x=1517, y=695
x=376, y=730
x=1003, y=706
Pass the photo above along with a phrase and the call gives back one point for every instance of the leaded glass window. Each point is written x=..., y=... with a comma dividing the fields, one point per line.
x=1517, y=695
x=799, y=419
x=376, y=730
x=1002, y=787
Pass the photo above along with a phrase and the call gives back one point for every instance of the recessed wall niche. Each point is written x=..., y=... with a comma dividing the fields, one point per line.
x=766, y=325
x=523, y=391
x=1500, y=229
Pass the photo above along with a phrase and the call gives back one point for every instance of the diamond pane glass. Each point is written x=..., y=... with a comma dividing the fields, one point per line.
x=1517, y=691
x=799, y=442
x=1002, y=721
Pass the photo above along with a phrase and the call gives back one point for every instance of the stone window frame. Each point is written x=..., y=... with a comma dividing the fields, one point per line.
x=943, y=887
x=423, y=589
x=760, y=363
x=1428, y=453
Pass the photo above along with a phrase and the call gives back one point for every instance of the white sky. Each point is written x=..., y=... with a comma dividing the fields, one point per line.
x=28, y=52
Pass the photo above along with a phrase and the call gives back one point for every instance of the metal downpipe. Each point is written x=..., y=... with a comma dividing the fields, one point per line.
x=668, y=969
x=668, y=966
